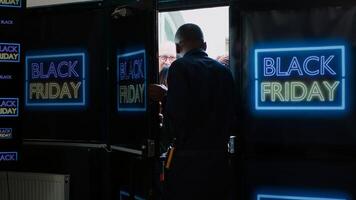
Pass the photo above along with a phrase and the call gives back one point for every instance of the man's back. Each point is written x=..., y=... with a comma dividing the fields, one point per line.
x=200, y=113
x=200, y=102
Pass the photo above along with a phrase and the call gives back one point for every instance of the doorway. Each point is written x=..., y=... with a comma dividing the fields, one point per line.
x=213, y=21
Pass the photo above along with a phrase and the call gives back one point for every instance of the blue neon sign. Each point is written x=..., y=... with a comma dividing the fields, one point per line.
x=56, y=80
x=9, y=107
x=7, y=22
x=300, y=78
x=126, y=196
x=10, y=52
x=11, y=3
x=287, y=197
x=8, y=156
x=5, y=77
x=5, y=133
x=131, y=81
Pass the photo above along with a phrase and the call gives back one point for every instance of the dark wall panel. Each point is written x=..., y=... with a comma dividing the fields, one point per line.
x=288, y=28
x=62, y=30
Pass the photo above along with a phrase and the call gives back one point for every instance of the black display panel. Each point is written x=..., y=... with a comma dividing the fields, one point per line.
x=65, y=73
x=132, y=68
x=298, y=78
x=10, y=23
x=11, y=60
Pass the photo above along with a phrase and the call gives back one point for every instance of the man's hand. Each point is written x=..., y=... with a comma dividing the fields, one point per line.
x=157, y=92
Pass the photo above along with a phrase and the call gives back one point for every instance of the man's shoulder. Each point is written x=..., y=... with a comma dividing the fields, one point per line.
x=220, y=67
x=184, y=63
x=179, y=64
x=177, y=67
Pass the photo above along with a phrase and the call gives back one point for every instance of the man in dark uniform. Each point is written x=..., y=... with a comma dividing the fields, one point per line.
x=200, y=113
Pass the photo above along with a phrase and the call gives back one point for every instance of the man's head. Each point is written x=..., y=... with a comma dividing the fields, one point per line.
x=167, y=55
x=188, y=37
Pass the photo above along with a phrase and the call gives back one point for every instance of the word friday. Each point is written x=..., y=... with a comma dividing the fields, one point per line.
x=303, y=78
x=9, y=107
x=10, y=3
x=5, y=133
x=132, y=93
x=55, y=79
x=131, y=79
x=9, y=52
x=8, y=156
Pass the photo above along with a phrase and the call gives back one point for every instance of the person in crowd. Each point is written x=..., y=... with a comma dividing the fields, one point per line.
x=167, y=55
x=224, y=59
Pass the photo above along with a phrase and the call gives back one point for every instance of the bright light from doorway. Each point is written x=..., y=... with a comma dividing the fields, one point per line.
x=213, y=21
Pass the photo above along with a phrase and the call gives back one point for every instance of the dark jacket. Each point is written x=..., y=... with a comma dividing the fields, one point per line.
x=200, y=102
x=163, y=76
x=200, y=113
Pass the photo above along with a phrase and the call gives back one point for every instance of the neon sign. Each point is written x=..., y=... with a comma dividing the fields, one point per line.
x=5, y=133
x=55, y=80
x=300, y=78
x=5, y=77
x=10, y=52
x=6, y=22
x=131, y=81
x=287, y=197
x=9, y=107
x=8, y=156
x=126, y=196
x=10, y=3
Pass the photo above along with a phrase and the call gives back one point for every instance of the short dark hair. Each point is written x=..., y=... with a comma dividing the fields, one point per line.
x=189, y=32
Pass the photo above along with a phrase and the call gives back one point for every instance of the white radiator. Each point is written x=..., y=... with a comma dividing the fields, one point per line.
x=33, y=186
